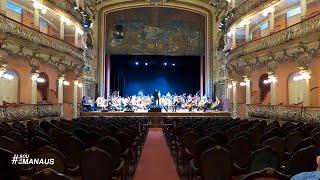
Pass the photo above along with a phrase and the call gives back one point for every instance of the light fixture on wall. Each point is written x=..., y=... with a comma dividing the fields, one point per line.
x=8, y=76
x=66, y=83
x=230, y=86
x=304, y=74
x=243, y=84
x=271, y=79
x=41, y=80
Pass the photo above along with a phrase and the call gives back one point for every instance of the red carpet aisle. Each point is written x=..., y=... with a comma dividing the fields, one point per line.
x=156, y=162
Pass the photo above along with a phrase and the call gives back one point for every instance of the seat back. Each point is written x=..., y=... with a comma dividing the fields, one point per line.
x=96, y=164
x=263, y=158
x=215, y=164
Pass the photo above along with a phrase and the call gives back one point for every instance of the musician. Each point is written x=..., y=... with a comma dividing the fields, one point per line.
x=87, y=103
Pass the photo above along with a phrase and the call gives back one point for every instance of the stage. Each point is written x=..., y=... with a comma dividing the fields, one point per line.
x=156, y=114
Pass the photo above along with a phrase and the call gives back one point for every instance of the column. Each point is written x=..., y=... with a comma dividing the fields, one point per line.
x=36, y=19
x=306, y=86
x=271, y=21
x=3, y=8
x=304, y=8
x=248, y=93
x=234, y=99
x=234, y=39
x=61, y=32
x=273, y=89
x=75, y=99
x=77, y=4
x=2, y=71
x=76, y=36
x=34, y=90
x=201, y=75
x=233, y=4
x=108, y=82
x=247, y=32
x=60, y=93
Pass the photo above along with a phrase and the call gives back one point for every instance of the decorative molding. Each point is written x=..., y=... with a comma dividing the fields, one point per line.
x=294, y=43
x=15, y=29
x=29, y=112
x=285, y=113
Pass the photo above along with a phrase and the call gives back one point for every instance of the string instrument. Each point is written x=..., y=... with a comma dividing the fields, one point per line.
x=215, y=104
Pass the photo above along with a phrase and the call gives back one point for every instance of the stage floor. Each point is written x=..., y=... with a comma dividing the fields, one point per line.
x=156, y=114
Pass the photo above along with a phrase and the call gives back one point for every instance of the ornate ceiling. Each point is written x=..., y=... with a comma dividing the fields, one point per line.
x=157, y=31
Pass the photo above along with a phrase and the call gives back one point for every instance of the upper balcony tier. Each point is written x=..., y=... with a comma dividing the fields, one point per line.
x=270, y=27
x=287, y=40
x=245, y=8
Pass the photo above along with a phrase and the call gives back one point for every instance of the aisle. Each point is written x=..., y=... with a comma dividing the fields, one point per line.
x=156, y=162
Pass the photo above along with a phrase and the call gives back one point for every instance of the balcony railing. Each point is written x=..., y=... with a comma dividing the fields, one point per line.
x=16, y=29
x=68, y=7
x=299, y=30
x=285, y=113
x=29, y=112
x=246, y=7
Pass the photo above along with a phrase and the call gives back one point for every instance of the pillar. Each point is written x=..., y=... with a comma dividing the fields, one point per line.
x=34, y=90
x=271, y=21
x=247, y=32
x=3, y=8
x=233, y=40
x=60, y=93
x=75, y=99
x=273, y=89
x=36, y=19
x=248, y=93
x=76, y=37
x=108, y=72
x=306, y=87
x=61, y=32
x=233, y=4
x=2, y=71
x=201, y=75
x=304, y=7
x=234, y=99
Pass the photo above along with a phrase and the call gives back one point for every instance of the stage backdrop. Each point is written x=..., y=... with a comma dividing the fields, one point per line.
x=174, y=74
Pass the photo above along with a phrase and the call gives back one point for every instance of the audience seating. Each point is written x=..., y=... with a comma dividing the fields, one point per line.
x=89, y=148
x=250, y=146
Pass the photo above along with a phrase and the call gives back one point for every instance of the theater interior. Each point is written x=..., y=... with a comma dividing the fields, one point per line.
x=159, y=89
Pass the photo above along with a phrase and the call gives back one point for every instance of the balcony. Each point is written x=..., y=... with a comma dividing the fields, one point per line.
x=249, y=7
x=68, y=7
x=306, y=28
x=285, y=113
x=29, y=112
x=16, y=29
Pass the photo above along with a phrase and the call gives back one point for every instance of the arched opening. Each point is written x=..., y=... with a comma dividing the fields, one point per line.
x=295, y=92
x=10, y=94
x=43, y=87
x=264, y=87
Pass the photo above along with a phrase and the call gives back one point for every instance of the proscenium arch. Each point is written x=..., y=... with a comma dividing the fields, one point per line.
x=100, y=23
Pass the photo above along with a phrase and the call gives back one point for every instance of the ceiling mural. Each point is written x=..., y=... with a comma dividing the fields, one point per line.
x=161, y=31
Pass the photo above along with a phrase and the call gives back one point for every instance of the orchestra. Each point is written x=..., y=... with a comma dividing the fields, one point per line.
x=140, y=103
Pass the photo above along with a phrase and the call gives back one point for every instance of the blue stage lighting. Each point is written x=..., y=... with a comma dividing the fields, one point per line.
x=137, y=63
x=173, y=64
x=165, y=64
x=146, y=64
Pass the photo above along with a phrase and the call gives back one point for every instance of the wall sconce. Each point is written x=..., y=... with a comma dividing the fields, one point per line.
x=230, y=86
x=66, y=83
x=243, y=84
x=34, y=76
x=40, y=6
x=8, y=76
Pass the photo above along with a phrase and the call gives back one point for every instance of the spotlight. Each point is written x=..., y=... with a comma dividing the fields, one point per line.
x=173, y=64
x=137, y=63
x=165, y=64
x=146, y=64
